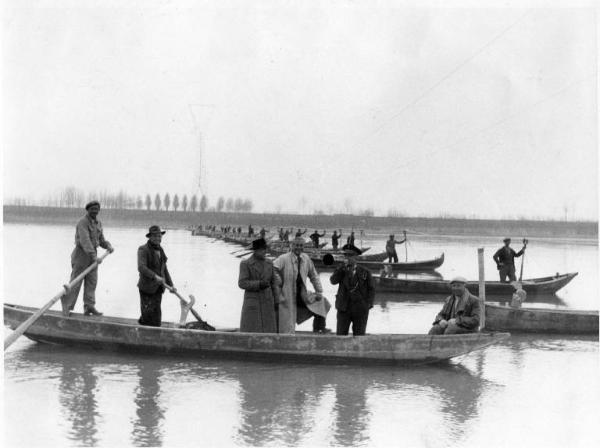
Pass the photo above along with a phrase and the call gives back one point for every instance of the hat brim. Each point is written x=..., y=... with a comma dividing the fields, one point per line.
x=162, y=232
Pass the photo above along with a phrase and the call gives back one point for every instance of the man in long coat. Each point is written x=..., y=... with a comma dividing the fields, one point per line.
x=88, y=236
x=291, y=272
x=460, y=313
x=257, y=279
x=152, y=267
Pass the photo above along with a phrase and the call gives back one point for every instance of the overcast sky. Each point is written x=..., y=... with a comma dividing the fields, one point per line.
x=304, y=105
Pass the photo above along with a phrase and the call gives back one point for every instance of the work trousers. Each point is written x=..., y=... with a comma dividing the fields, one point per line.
x=392, y=256
x=358, y=319
x=79, y=262
x=507, y=271
x=150, y=309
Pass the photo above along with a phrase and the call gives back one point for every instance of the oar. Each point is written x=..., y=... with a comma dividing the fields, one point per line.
x=25, y=325
x=405, y=246
x=525, y=241
x=185, y=303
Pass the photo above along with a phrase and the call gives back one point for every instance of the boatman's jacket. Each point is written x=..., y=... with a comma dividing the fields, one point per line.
x=505, y=256
x=88, y=236
x=466, y=310
x=152, y=262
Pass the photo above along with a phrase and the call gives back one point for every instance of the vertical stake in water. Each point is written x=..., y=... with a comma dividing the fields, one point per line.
x=481, y=285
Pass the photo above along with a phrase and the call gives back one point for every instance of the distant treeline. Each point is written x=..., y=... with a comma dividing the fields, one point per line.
x=72, y=197
x=187, y=219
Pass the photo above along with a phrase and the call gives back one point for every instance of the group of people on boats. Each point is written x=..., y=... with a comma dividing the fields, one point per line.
x=276, y=296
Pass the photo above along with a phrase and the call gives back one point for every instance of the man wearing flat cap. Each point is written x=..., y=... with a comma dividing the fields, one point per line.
x=355, y=295
x=291, y=273
x=460, y=313
x=152, y=267
x=505, y=260
x=257, y=279
x=88, y=236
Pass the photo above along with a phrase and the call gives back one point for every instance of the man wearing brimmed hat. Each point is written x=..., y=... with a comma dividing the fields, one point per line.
x=291, y=271
x=88, y=236
x=460, y=313
x=257, y=279
x=505, y=261
x=152, y=267
x=355, y=295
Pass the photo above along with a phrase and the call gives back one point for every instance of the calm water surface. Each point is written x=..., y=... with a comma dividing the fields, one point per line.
x=529, y=391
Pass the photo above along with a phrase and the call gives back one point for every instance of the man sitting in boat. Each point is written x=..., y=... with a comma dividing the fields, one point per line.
x=390, y=248
x=355, y=295
x=291, y=272
x=314, y=237
x=152, y=267
x=257, y=279
x=460, y=313
x=505, y=260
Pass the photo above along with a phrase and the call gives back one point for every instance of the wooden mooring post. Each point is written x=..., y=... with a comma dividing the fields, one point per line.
x=481, y=286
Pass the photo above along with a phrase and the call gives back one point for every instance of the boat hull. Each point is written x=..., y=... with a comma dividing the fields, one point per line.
x=540, y=320
x=373, y=266
x=125, y=334
x=539, y=286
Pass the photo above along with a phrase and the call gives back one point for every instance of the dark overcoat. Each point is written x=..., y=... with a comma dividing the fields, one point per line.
x=258, y=309
x=468, y=311
x=355, y=292
x=149, y=265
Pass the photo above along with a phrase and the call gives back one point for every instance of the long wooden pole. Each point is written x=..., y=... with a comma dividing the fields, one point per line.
x=523, y=259
x=405, y=247
x=481, y=286
x=35, y=316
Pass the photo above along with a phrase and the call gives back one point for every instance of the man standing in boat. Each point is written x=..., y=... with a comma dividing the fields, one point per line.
x=291, y=272
x=505, y=261
x=88, y=236
x=460, y=313
x=257, y=279
x=299, y=233
x=355, y=295
x=335, y=238
x=314, y=237
x=152, y=267
x=390, y=248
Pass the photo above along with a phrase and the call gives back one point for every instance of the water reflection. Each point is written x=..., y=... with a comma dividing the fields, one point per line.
x=287, y=404
x=77, y=398
x=147, y=426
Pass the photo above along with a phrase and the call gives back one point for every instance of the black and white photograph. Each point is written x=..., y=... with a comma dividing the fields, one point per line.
x=300, y=223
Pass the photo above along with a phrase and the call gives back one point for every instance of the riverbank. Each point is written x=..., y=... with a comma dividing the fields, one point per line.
x=375, y=224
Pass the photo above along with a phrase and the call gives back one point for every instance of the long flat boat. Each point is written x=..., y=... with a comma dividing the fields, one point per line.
x=374, y=266
x=533, y=286
x=540, y=320
x=114, y=333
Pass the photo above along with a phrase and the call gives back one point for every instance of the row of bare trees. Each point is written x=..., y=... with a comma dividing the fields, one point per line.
x=74, y=197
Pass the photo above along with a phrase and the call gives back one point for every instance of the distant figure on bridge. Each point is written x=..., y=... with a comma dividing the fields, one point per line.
x=505, y=261
x=390, y=248
x=335, y=239
x=314, y=237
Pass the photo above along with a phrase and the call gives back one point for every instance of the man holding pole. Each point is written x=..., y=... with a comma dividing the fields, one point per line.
x=390, y=248
x=505, y=260
x=88, y=236
x=154, y=275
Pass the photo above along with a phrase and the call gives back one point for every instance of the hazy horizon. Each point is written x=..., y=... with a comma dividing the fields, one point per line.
x=487, y=110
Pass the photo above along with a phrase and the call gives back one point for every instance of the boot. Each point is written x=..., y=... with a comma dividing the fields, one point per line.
x=90, y=310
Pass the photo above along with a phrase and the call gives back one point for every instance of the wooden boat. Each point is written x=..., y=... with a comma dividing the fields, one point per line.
x=540, y=320
x=375, y=266
x=533, y=286
x=115, y=333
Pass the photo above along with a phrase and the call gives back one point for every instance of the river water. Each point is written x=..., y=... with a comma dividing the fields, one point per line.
x=528, y=391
